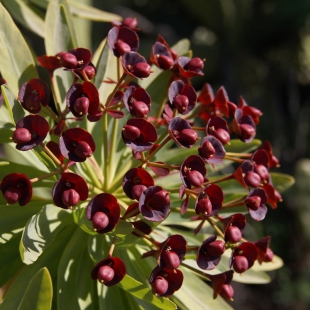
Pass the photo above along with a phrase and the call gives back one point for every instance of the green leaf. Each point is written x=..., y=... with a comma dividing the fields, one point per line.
x=139, y=290
x=40, y=231
x=25, y=16
x=4, y=163
x=276, y=263
x=195, y=294
x=17, y=64
x=48, y=259
x=59, y=31
x=74, y=284
x=39, y=293
x=13, y=218
x=238, y=146
x=13, y=105
x=6, y=132
x=85, y=11
x=282, y=181
x=101, y=63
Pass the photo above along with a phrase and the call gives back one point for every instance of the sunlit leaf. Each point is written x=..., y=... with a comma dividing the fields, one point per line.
x=40, y=231
x=17, y=64
x=282, y=181
x=39, y=293
x=101, y=63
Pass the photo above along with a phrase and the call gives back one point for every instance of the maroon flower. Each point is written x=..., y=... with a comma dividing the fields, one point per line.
x=265, y=254
x=261, y=167
x=154, y=204
x=244, y=257
x=34, y=93
x=76, y=59
x=129, y=22
x=122, y=40
x=211, y=150
x=136, y=180
x=51, y=63
x=210, y=252
x=69, y=190
x=233, y=227
x=246, y=175
x=135, y=65
x=82, y=99
x=190, y=67
x=16, y=187
x=30, y=131
x=255, y=202
x=161, y=56
x=165, y=282
x=139, y=134
x=273, y=161
x=104, y=212
x=172, y=252
x=182, y=96
x=76, y=144
x=247, y=110
x=221, y=284
x=109, y=271
x=182, y=133
x=244, y=126
x=137, y=101
x=209, y=201
x=54, y=148
x=193, y=171
x=217, y=127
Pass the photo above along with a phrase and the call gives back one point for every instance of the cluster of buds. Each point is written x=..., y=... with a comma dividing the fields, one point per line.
x=188, y=119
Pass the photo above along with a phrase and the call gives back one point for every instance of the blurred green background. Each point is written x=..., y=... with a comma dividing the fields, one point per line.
x=260, y=50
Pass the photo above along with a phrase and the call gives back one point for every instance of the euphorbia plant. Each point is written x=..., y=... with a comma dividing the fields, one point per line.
x=113, y=189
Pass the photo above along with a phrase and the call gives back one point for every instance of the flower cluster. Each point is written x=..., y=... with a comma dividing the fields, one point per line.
x=186, y=135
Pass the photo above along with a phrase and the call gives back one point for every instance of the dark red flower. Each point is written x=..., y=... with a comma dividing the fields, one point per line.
x=77, y=144
x=16, y=187
x=109, y=271
x=172, y=252
x=69, y=190
x=244, y=257
x=83, y=99
x=30, y=131
x=233, y=227
x=75, y=59
x=193, y=171
x=104, y=212
x=137, y=101
x=221, y=284
x=210, y=252
x=247, y=110
x=183, y=97
x=154, y=204
x=209, y=201
x=273, y=160
x=51, y=63
x=135, y=65
x=255, y=202
x=217, y=127
x=182, y=133
x=265, y=254
x=129, y=22
x=122, y=40
x=135, y=181
x=211, y=150
x=34, y=93
x=54, y=148
x=161, y=56
x=244, y=126
x=190, y=67
x=139, y=134
x=246, y=175
x=165, y=282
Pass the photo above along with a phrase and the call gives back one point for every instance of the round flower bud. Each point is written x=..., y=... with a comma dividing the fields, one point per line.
x=170, y=260
x=70, y=197
x=83, y=150
x=233, y=234
x=195, y=64
x=100, y=221
x=188, y=136
x=21, y=135
x=105, y=274
x=216, y=248
x=131, y=133
x=240, y=264
x=68, y=60
x=142, y=70
x=81, y=105
x=160, y=286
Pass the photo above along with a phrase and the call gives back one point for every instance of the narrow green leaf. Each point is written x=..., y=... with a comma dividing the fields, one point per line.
x=40, y=231
x=74, y=283
x=282, y=181
x=101, y=63
x=39, y=293
x=85, y=11
x=4, y=163
x=48, y=259
x=17, y=64
x=57, y=29
x=25, y=16
x=276, y=263
x=13, y=105
x=238, y=146
x=139, y=290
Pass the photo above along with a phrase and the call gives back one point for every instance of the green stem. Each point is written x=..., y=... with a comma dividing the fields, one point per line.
x=92, y=175
x=112, y=247
x=229, y=177
x=105, y=152
x=157, y=149
x=212, y=223
x=247, y=155
x=159, y=165
x=51, y=155
x=56, y=94
x=45, y=176
x=110, y=97
x=237, y=160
